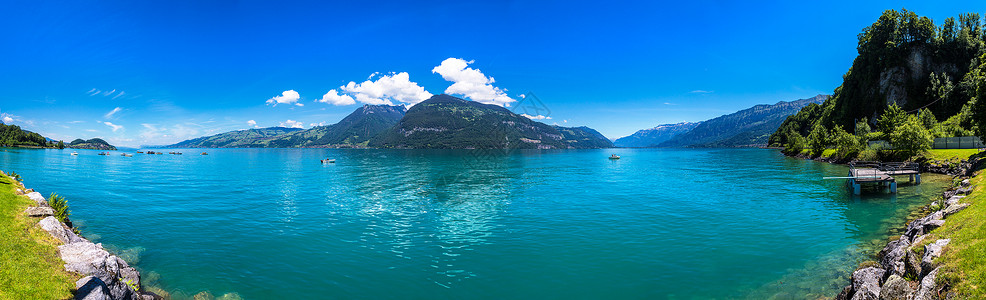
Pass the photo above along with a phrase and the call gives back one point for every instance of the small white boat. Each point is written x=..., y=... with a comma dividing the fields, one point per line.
x=328, y=161
x=614, y=156
x=75, y=153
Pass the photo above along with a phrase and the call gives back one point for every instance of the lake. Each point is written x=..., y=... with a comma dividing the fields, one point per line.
x=477, y=224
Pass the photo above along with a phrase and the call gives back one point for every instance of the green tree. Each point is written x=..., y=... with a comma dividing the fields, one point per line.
x=61, y=145
x=927, y=118
x=862, y=128
x=891, y=118
x=847, y=145
x=818, y=139
x=795, y=143
x=911, y=137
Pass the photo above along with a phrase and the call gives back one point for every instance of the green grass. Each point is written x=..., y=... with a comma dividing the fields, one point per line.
x=949, y=154
x=964, y=259
x=30, y=267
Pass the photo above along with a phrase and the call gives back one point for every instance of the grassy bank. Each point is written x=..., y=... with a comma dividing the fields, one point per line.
x=964, y=261
x=30, y=267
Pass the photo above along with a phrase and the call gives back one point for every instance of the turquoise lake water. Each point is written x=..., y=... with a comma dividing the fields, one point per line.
x=426, y=224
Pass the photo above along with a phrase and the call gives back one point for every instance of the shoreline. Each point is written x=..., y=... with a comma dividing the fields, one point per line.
x=104, y=275
x=907, y=267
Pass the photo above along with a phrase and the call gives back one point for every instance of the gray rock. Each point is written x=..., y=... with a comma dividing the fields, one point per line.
x=931, y=225
x=954, y=208
x=965, y=182
x=91, y=288
x=953, y=200
x=36, y=211
x=866, y=283
x=917, y=227
x=40, y=200
x=912, y=264
x=896, y=288
x=91, y=259
x=845, y=294
x=892, y=256
x=963, y=191
x=928, y=289
x=59, y=230
x=932, y=251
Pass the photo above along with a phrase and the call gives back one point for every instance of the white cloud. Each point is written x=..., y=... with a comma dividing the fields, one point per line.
x=7, y=120
x=292, y=124
x=319, y=124
x=701, y=92
x=471, y=83
x=109, y=92
x=537, y=117
x=333, y=97
x=252, y=123
x=118, y=95
x=112, y=112
x=114, y=126
x=385, y=90
x=286, y=97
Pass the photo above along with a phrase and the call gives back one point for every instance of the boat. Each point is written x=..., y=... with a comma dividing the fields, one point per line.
x=150, y=152
x=104, y=153
x=203, y=153
x=123, y=154
x=75, y=153
x=130, y=155
x=614, y=156
x=141, y=152
x=329, y=161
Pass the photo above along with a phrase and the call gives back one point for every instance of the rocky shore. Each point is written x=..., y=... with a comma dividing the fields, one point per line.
x=906, y=267
x=104, y=275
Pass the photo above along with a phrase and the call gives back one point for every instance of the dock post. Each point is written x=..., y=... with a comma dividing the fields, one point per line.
x=855, y=188
x=893, y=187
x=917, y=178
x=910, y=177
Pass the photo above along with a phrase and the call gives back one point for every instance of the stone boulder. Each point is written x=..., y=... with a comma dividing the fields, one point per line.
x=91, y=259
x=932, y=251
x=892, y=256
x=92, y=288
x=896, y=288
x=866, y=283
x=923, y=225
x=59, y=230
x=39, y=211
x=953, y=200
x=954, y=208
x=965, y=182
x=40, y=200
x=928, y=289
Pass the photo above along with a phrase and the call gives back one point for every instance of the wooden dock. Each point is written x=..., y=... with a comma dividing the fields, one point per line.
x=883, y=174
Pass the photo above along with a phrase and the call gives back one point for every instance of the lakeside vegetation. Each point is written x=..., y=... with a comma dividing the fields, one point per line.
x=963, y=264
x=14, y=136
x=30, y=267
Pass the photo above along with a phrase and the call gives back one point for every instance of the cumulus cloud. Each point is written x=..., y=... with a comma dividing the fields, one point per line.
x=252, y=123
x=386, y=89
x=286, y=97
x=333, y=97
x=537, y=117
x=292, y=124
x=471, y=83
x=112, y=112
x=701, y=92
x=7, y=120
x=114, y=126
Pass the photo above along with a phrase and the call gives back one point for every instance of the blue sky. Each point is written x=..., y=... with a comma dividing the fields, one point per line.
x=140, y=73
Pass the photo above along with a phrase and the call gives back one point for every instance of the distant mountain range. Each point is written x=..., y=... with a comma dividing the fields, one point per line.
x=94, y=143
x=442, y=121
x=654, y=136
x=746, y=128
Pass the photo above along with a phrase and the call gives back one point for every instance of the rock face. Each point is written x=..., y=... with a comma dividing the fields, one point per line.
x=92, y=288
x=928, y=290
x=40, y=200
x=39, y=211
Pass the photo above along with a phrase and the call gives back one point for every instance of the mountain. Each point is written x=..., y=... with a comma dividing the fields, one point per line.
x=235, y=139
x=447, y=122
x=355, y=130
x=654, y=136
x=748, y=127
x=94, y=143
x=583, y=137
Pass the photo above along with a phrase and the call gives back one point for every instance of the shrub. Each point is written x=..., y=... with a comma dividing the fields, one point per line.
x=846, y=144
x=911, y=137
x=818, y=140
x=60, y=206
x=795, y=143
